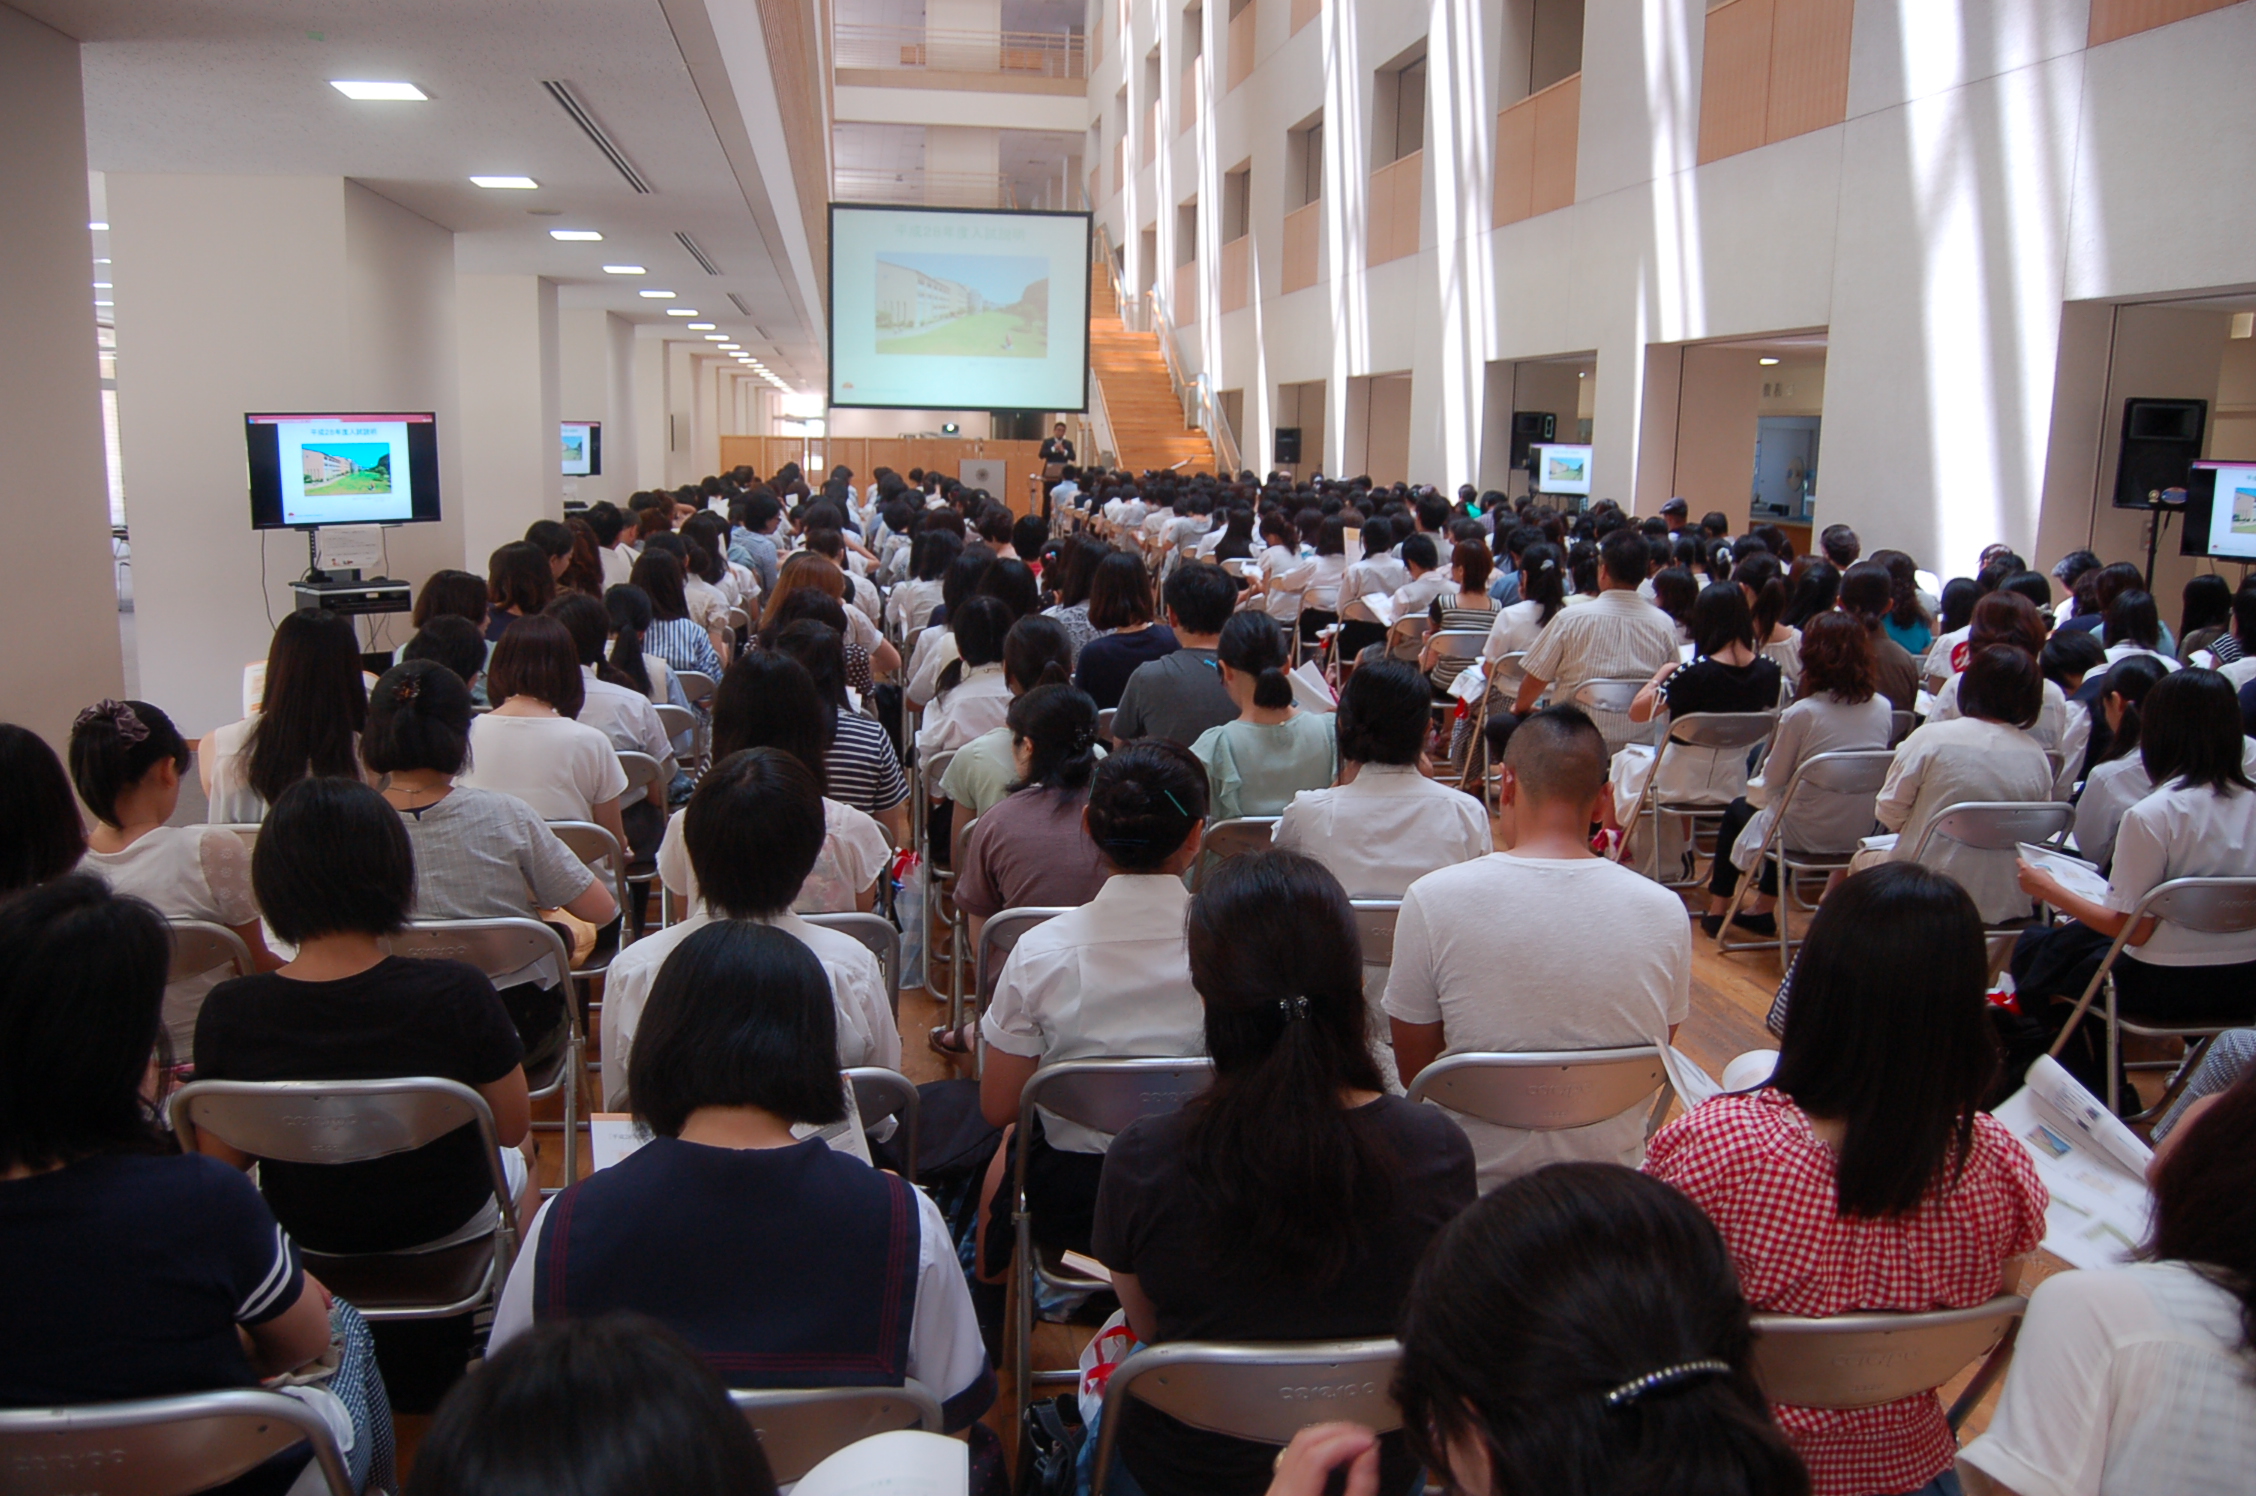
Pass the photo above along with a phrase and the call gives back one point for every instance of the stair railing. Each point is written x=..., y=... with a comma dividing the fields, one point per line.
x=1194, y=393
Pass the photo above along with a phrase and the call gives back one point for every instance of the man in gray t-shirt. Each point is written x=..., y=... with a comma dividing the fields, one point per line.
x=1181, y=695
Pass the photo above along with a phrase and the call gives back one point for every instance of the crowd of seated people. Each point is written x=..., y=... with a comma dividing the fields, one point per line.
x=1058, y=713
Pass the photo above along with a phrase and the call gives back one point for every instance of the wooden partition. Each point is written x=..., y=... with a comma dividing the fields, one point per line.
x=1391, y=219
x=1536, y=141
x=1237, y=273
x=1304, y=11
x=1771, y=70
x=1183, y=310
x=816, y=456
x=1304, y=243
x=2113, y=19
x=1241, y=46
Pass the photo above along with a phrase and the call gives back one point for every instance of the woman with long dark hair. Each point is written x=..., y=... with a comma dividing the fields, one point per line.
x=532, y=744
x=1128, y=633
x=1294, y=1199
x=311, y=710
x=1272, y=750
x=1075, y=572
x=41, y=835
x=519, y=583
x=1865, y=1175
x=1031, y=847
x=2119, y=779
x=675, y=637
x=1907, y=621
x=1036, y=652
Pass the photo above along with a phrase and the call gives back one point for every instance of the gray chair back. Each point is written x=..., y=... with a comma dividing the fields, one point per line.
x=1107, y=1095
x=2213, y=906
x=877, y=933
x=246, y=832
x=495, y=946
x=642, y=773
x=1000, y=936
x=676, y=720
x=1264, y=1393
x=599, y=849
x=1544, y=1092
x=1997, y=825
x=1104, y=724
x=880, y=1093
x=696, y=685
x=1612, y=696
x=1859, y=772
x=1374, y=927
x=199, y=946
x=160, y=1446
x=799, y=1428
x=333, y=1121
x=1224, y=840
x=1863, y=1360
x=1461, y=645
x=1901, y=725
x=736, y=620
x=1725, y=731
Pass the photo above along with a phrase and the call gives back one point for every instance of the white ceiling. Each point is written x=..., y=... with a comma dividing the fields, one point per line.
x=241, y=87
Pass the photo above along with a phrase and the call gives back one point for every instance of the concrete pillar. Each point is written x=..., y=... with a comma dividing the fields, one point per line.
x=595, y=372
x=511, y=405
x=249, y=294
x=58, y=597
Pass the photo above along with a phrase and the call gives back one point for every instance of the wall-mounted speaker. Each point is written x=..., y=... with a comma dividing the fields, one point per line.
x=1531, y=426
x=2161, y=440
x=1288, y=446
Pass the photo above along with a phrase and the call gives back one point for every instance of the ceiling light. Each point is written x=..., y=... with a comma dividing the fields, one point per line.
x=99, y=227
x=101, y=285
x=1766, y=362
x=731, y=347
x=397, y=93
x=657, y=295
x=575, y=236
x=505, y=184
x=715, y=337
x=692, y=326
x=101, y=262
x=624, y=270
x=105, y=303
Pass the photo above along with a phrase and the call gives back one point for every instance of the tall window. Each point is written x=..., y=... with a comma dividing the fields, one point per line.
x=1398, y=110
x=1304, y=164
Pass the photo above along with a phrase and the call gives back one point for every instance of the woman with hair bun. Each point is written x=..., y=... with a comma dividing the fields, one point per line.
x=1578, y=1332
x=1274, y=750
x=1032, y=848
x=126, y=758
x=1111, y=979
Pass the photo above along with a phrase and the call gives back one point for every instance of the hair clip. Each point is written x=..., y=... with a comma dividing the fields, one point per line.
x=122, y=719
x=1668, y=1376
x=407, y=690
x=1179, y=810
x=1293, y=1007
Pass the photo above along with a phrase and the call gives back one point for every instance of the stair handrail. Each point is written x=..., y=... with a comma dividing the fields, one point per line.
x=1097, y=436
x=1195, y=394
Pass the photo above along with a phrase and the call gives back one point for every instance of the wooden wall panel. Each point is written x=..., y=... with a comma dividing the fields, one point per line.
x=1237, y=273
x=1304, y=11
x=864, y=454
x=1515, y=163
x=1187, y=98
x=2113, y=19
x=1558, y=132
x=1304, y=242
x=1396, y=198
x=1184, y=310
x=1241, y=45
x=1809, y=66
x=1735, y=79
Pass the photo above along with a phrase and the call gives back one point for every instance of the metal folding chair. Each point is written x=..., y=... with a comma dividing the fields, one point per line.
x=1374, y=927
x=1738, y=733
x=1104, y=724
x=1506, y=665
x=1459, y=647
x=161, y=1446
x=1105, y=1096
x=351, y=1121
x=1857, y=772
x=499, y=947
x=676, y=720
x=199, y=946
x=1845, y=1361
x=1227, y=839
x=880, y=1093
x=600, y=850
x=1405, y=637
x=1998, y=826
x=998, y=937
x=1545, y=1092
x=2213, y=906
x=642, y=772
x=800, y=1427
x=1264, y=1393
x=246, y=832
x=876, y=932
x=1901, y=725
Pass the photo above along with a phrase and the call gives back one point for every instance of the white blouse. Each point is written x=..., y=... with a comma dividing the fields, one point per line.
x=563, y=769
x=854, y=852
x=186, y=872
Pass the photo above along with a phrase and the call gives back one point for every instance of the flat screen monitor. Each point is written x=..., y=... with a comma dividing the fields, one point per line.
x=958, y=309
x=1561, y=467
x=343, y=469
x=583, y=449
x=2220, y=518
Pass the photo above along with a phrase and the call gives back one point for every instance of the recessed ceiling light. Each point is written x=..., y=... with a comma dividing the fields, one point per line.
x=715, y=337
x=99, y=227
x=657, y=295
x=105, y=303
x=731, y=347
x=692, y=326
x=101, y=262
x=575, y=236
x=684, y=311
x=1766, y=362
x=400, y=93
x=624, y=270
x=505, y=184
x=101, y=285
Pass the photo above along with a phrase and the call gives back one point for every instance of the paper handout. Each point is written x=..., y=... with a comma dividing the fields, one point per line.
x=2093, y=1166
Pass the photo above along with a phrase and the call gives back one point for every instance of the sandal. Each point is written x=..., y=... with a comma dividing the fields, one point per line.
x=950, y=1044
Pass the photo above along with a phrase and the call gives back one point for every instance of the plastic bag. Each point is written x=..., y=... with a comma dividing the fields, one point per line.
x=908, y=906
x=1109, y=1347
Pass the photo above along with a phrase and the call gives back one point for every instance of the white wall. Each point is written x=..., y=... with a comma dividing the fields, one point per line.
x=58, y=599
x=891, y=423
x=583, y=383
x=507, y=340
x=239, y=294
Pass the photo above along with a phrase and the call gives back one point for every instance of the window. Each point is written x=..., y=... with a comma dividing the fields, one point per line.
x=1398, y=109
x=1194, y=32
x=1186, y=232
x=1304, y=163
x=1237, y=203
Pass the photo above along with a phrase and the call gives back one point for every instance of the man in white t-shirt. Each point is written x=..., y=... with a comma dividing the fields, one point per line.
x=1543, y=947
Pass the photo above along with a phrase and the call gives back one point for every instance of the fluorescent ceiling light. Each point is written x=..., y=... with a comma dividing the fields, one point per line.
x=715, y=337
x=105, y=303
x=624, y=270
x=101, y=285
x=692, y=326
x=99, y=227
x=396, y=93
x=731, y=347
x=1766, y=362
x=657, y=295
x=505, y=184
x=575, y=236
x=101, y=262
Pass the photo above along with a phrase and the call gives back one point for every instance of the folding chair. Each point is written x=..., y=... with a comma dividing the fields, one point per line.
x=642, y=773
x=1505, y=666
x=351, y=1121
x=880, y=1093
x=499, y=947
x=1374, y=927
x=798, y=1428
x=1998, y=826
x=600, y=850
x=2213, y=906
x=1459, y=647
x=1405, y=637
x=1856, y=772
x=699, y=689
x=161, y=1446
x=1611, y=697
x=1265, y=1393
x=697, y=686
x=1901, y=725
x=1740, y=733
x=876, y=932
x=1844, y=1361
x=246, y=832
x=1227, y=839
x=1105, y=1096
x=1548, y=1091
x=199, y=946
x=998, y=937
x=942, y=882
x=1104, y=724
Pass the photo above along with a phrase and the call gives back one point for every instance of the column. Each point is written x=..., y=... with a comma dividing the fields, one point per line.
x=507, y=336
x=58, y=596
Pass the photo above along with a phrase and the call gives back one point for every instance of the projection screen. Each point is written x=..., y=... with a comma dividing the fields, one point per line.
x=958, y=308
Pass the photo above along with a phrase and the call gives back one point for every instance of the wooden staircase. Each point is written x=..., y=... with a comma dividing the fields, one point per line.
x=1147, y=420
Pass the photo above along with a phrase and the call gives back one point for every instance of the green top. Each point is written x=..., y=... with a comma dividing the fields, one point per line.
x=1255, y=769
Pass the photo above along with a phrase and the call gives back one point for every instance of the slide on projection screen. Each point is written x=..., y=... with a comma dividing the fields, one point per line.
x=958, y=309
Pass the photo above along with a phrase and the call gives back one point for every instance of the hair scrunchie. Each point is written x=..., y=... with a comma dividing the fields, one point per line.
x=122, y=718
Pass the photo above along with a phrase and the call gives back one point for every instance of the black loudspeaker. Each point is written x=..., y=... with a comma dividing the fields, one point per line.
x=1531, y=426
x=2161, y=439
x=1288, y=446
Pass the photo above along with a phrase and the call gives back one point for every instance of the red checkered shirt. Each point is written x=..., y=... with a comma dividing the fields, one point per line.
x=1768, y=1183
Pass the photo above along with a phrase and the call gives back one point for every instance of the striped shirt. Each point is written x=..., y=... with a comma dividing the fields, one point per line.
x=861, y=768
x=683, y=644
x=1617, y=635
